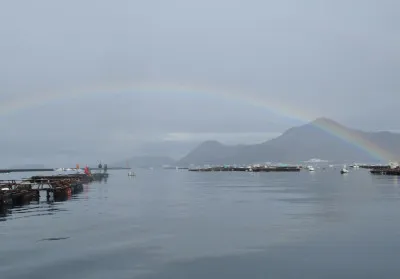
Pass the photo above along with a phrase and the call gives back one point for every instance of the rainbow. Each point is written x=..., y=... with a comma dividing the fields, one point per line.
x=272, y=105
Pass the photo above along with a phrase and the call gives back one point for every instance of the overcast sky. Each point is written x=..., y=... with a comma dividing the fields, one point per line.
x=297, y=59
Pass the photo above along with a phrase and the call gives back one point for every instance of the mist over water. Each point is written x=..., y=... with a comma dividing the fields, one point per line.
x=179, y=224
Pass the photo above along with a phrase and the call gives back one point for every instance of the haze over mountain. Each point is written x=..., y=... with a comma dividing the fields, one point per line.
x=145, y=162
x=296, y=145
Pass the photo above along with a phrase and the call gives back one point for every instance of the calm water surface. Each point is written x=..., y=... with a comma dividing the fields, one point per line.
x=178, y=224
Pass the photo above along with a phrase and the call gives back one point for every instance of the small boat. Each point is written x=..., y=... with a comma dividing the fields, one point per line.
x=310, y=168
x=131, y=172
x=344, y=170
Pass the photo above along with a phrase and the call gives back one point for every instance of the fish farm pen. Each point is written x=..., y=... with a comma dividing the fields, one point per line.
x=56, y=188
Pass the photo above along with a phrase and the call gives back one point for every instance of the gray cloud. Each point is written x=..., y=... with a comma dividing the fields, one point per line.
x=332, y=58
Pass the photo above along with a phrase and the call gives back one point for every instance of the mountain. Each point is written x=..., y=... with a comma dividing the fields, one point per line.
x=146, y=162
x=165, y=148
x=322, y=138
x=209, y=152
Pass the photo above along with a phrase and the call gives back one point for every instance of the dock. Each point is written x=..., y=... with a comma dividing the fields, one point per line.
x=374, y=167
x=14, y=193
x=247, y=169
x=55, y=188
x=385, y=171
x=277, y=169
x=84, y=178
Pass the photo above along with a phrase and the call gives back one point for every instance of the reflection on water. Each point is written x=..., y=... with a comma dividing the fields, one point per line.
x=168, y=224
x=54, y=238
x=45, y=204
x=3, y=213
x=33, y=209
x=386, y=179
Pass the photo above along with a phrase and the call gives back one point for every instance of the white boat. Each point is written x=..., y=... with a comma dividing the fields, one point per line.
x=310, y=168
x=344, y=170
x=131, y=172
x=355, y=166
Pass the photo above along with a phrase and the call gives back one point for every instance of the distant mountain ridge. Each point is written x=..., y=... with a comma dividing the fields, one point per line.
x=145, y=162
x=298, y=144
